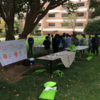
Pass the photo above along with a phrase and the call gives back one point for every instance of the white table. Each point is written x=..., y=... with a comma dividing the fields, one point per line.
x=66, y=57
x=38, y=48
x=79, y=48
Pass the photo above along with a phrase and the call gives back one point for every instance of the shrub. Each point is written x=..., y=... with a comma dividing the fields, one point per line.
x=92, y=27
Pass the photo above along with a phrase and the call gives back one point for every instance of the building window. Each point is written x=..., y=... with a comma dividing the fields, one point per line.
x=64, y=15
x=39, y=24
x=79, y=24
x=64, y=24
x=80, y=4
x=51, y=24
x=51, y=15
x=80, y=14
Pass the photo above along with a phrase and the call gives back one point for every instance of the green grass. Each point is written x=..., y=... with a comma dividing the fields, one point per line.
x=81, y=81
x=2, y=35
x=38, y=40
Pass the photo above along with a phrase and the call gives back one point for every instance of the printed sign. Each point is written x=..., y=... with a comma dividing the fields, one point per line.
x=12, y=51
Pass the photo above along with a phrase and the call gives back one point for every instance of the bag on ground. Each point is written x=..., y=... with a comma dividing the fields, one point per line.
x=26, y=62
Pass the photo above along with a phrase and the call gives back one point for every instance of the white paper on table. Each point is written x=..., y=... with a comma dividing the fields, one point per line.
x=48, y=88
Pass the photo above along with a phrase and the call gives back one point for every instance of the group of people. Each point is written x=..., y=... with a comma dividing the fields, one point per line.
x=60, y=42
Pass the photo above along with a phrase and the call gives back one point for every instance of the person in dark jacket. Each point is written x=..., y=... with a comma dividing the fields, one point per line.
x=94, y=45
x=55, y=44
x=30, y=42
x=74, y=39
x=47, y=43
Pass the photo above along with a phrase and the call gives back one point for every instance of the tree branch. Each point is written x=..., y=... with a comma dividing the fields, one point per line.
x=58, y=3
x=3, y=16
x=43, y=3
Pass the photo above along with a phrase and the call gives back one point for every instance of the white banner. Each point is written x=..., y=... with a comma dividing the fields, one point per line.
x=12, y=51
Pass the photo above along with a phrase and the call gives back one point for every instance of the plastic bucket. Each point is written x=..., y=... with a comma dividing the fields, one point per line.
x=31, y=61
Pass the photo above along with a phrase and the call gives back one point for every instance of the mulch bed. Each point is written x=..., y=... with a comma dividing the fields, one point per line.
x=13, y=72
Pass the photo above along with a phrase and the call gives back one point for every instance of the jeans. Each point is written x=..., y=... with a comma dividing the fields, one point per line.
x=30, y=49
x=95, y=48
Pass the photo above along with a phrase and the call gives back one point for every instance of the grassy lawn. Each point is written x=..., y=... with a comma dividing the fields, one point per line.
x=80, y=82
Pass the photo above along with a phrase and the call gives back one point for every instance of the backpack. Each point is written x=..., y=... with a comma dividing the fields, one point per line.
x=60, y=45
x=97, y=41
x=26, y=62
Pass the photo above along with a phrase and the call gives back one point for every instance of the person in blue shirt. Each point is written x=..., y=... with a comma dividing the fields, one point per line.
x=61, y=43
x=49, y=37
x=67, y=40
x=77, y=40
x=30, y=42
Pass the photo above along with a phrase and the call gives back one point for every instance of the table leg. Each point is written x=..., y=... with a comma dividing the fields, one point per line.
x=50, y=67
x=80, y=54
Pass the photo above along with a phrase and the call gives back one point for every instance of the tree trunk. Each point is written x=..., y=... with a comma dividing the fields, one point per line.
x=9, y=34
x=27, y=31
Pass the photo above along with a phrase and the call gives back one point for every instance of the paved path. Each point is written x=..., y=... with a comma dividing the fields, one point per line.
x=15, y=37
x=4, y=38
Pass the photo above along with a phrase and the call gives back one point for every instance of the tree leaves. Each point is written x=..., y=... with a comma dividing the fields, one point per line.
x=94, y=6
x=92, y=27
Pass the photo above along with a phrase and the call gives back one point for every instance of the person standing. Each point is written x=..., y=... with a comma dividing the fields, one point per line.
x=67, y=40
x=77, y=40
x=82, y=41
x=74, y=40
x=47, y=43
x=55, y=44
x=89, y=43
x=52, y=38
x=61, y=43
x=30, y=42
x=64, y=35
x=49, y=37
x=95, y=44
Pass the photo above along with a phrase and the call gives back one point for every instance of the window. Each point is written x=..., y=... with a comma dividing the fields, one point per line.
x=79, y=24
x=51, y=15
x=80, y=4
x=64, y=24
x=80, y=14
x=64, y=15
x=39, y=24
x=51, y=24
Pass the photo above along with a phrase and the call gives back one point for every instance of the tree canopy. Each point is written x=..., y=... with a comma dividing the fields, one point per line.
x=35, y=11
x=70, y=20
x=93, y=27
x=94, y=6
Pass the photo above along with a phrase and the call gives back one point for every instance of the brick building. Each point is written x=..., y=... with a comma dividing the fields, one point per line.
x=52, y=22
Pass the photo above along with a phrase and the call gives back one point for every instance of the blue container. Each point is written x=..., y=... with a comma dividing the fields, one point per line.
x=31, y=61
